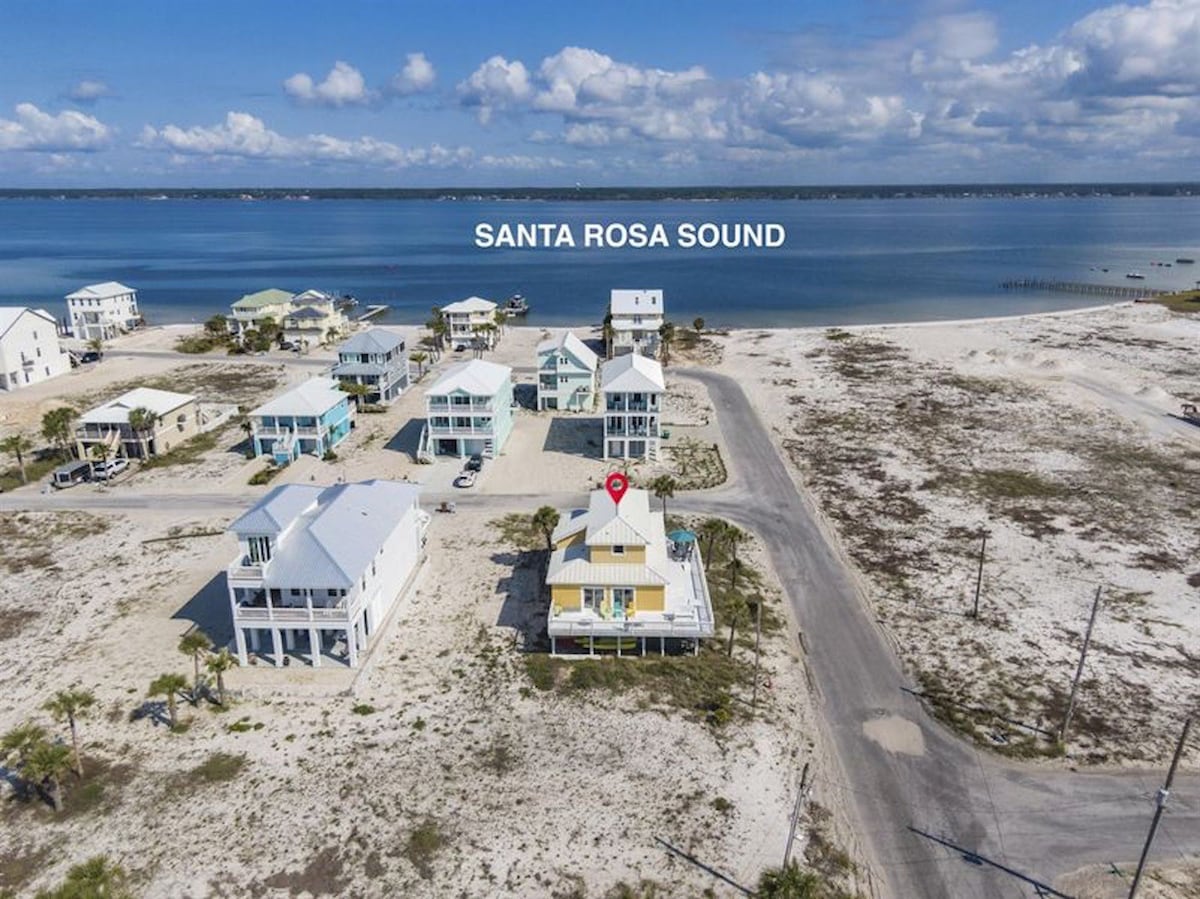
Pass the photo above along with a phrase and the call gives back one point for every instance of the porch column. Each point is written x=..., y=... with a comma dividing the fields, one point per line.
x=662, y=646
x=360, y=630
x=643, y=642
x=314, y=646
x=350, y=646
x=619, y=638
x=591, y=644
x=289, y=639
x=277, y=645
x=553, y=646
x=239, y=636
x=254, y=641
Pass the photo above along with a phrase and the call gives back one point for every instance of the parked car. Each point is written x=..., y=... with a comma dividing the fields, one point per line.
x=71, y=474
x=475, y=463
x=287, y=345
x=466, y=479
x=90, y=356
x=102, y=471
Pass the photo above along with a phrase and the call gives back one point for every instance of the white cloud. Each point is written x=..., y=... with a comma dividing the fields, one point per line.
x=343, y=86
x=497, y=84
x=416, y=77
x=69, y=131
x=88, y=91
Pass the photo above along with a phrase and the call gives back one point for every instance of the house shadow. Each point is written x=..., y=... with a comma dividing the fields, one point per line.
x=575, y=437
x=525, y=396
x=407, y=439
x=208, y=610
x=525, y=602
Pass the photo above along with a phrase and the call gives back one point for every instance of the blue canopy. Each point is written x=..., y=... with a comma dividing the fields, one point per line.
x=681, y=537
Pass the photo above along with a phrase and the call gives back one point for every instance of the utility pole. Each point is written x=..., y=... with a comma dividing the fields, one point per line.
x=799, y=807
x=979, y=575
x=757, y=642
x=1087, y=639
x=1161, y=801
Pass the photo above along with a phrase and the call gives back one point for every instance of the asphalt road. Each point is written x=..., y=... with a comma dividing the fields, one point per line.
x=1012, y=826
x=939, y=818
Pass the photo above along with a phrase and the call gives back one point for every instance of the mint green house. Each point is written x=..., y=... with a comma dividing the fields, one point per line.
x=566, y=374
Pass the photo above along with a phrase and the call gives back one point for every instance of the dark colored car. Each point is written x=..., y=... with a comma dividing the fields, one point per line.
x=475, y=463
x=90, y=356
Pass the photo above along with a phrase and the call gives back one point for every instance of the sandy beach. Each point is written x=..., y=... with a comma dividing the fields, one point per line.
x=442, y=769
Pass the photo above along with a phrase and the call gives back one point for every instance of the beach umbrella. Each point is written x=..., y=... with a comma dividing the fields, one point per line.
x=681, y=536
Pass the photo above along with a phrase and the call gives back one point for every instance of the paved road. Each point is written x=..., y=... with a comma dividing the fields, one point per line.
x=1038, y=824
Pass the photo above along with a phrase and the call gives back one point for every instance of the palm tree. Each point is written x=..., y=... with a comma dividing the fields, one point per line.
x=142, y=421
x=18, y=445
x=248, y=426
x=698, y=324
x=789, y=882
x=356, y=390
x=97, y=877
x=57, y=426
x=218, y=664
x=666, y=336
x=431, y=344
x=545, y=520
x=607, y=332
x=194, y=644
x=167, y=686
x=18, y=743
x=733, y=537
x=99, y=452
x=71, y=705
x=501, y=318
x=664, y=487
x=420, y=359
x=712, y=530
x=46, y=765
x=437, y=327
x=96, y=345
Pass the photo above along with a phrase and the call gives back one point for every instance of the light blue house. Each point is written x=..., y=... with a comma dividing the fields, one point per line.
x=312, y=418
x=374, y=358
x=566, y=374
x=469, y=411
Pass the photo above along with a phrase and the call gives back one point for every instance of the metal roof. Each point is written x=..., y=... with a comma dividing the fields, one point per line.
x=275, y=511
x=272, y=296
x=628, y=523
x=632, y=373
x=101, y=291
x=373, y=340
x=571, y=565
x=314, y=397
x=476, y=378
x=160, y=402
x=10, y=314
x=573, y=346
x=470, y=304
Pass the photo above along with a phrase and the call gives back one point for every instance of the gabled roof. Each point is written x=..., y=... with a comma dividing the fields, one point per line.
x=10, y=314
x=272, y=296
x=160, y=402
x=632, y=373
x=571, y=345
x=307, y=312
x=476, y=378
x=334, y=533
x=100, y=291
x=373, y=340
x=314, y=397
x=636, y=302
x=606, y=523
x=275, y=511
x=470, y=304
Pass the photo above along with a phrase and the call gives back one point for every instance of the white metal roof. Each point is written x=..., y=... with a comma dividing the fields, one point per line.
x=10, y=314
x=568, y=343
x=275, y=511
x=314, y=397
x=331, y=537
x=313, y=297
x=632, y=373
x=635, y=302
x=100, y=291
x=373, y=340
x=160, y=402
x=475, y=378
x=607, y=523
x=470, y=304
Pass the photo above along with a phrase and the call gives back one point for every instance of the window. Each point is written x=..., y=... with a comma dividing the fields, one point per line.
x=563, y=379
x=35, y=338
x=618, y=550
x=332, y=591
x=593, y=598
x=295, y=591
x=260, y=550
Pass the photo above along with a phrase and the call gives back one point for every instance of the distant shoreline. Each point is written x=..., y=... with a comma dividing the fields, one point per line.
x=616, y=194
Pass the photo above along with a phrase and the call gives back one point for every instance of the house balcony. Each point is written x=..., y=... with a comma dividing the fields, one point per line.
x=283, y=433
x=254, y=614
x=443, y=408
x=616, y=405
x=245, y=572
x=436, y=431
x=632, y=432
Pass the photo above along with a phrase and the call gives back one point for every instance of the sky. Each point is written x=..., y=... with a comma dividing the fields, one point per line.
x=378, y=93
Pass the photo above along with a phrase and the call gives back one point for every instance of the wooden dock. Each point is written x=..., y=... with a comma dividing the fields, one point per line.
x=1103, y=290
x=371, y=312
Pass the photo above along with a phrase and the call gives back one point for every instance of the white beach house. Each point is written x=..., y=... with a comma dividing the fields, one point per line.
x=468, y=321
x=468, y=411
x=175, y=417
x=636, y=316
x=312, y=417
x=102, y=311
x=320, y=568
x=633, y=388
x=618, y=581
x=29, y=350
x=567, y=372
x=376, y=359
x=252, y=308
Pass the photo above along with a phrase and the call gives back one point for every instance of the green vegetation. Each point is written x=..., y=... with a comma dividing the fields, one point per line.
x=363, y=708
x=423, y=845
x=97, y=878
x=190, y=452
x=58, y=427
x=70, y=706
x=168, y=686
x=264, y=475
x=29, y=540
x=1185, y=301
x=219, y=767
x=34, y=470
x=697, y=465
x=520, y=530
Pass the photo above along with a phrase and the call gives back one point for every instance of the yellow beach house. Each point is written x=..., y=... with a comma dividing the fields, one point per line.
x=618, y=582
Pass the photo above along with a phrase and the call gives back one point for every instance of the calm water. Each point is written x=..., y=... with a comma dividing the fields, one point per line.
x=845, y=261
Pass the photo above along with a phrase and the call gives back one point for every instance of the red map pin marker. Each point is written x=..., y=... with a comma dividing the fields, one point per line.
x=616, y=484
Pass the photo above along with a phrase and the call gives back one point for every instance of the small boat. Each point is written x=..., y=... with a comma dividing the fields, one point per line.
x=1184, y=260
x=1135, y=276
x=346, y=301
x=515, y=305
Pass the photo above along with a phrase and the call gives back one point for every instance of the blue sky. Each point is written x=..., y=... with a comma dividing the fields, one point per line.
x=471, y=93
